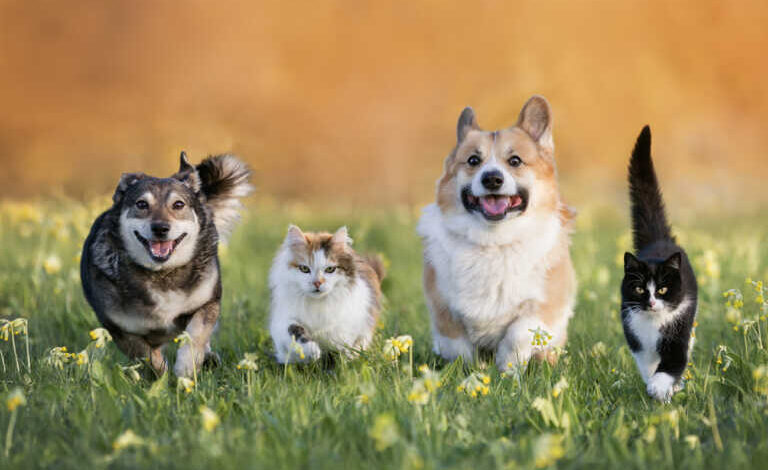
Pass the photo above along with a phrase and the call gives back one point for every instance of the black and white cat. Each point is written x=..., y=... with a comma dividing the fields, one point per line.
x=659, y=291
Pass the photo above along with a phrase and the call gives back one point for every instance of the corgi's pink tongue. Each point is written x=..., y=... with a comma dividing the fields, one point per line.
x=498, y=205
x=161, y=249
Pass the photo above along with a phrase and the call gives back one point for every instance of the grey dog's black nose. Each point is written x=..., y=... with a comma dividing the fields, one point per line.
x=160, y=229
x=492, y=180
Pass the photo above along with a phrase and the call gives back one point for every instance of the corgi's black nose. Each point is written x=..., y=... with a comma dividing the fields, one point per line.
x=492, y=180
x=160, y=229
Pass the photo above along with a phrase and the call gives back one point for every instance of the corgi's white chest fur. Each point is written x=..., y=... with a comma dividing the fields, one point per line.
x=487, y=284
x=168, y=304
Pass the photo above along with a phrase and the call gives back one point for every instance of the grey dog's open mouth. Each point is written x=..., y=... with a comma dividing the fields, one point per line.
x=159, y=250
x=495, y=207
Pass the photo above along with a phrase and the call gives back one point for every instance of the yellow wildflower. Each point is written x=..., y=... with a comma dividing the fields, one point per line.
x=185, y=384
x=127, y=439
x=52, y=264
x=249, y=362
x=15, y=399
x=419, y=395
x=477, y=382
x=548, y=449
x=561, y=385
x=384, y=432
x=101, y=336
x=81, y=357
x=540, y=337
x=209, y=418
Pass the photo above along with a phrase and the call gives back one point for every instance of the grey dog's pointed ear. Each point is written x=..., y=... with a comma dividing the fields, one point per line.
x=187, y=173
x=536, y=119
x=467, y=122
x=126, y=181
x=184, y=164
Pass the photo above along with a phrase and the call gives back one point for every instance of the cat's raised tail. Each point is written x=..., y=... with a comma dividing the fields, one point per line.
x=649, y=220
x=377, y=263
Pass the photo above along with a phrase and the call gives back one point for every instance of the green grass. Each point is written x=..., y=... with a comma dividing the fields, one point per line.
x=301, y=417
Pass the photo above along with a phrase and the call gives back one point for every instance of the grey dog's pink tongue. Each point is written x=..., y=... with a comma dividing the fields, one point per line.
x=495, y=205
x=161, y=249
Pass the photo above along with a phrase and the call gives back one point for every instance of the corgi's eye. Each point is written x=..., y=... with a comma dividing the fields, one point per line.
x=515, y=161
x=304, y=268
x=474, y=160
x=142, y=204
x=330, y=269
x=639, y=290
x=178, y=205
x=662, y=291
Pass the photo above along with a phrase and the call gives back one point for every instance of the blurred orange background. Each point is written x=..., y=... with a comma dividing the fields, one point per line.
x=359, y=100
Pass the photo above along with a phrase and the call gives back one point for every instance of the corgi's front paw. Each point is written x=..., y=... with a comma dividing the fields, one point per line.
x=661, y=386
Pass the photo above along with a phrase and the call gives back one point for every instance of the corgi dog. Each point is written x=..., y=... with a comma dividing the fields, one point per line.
x=497, y=265
x=325, y=296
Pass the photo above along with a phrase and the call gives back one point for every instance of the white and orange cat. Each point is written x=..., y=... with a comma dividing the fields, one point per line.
x=324, y=296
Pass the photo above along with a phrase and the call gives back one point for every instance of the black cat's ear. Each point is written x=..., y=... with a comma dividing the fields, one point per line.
x=631, y=262
x=674, y=261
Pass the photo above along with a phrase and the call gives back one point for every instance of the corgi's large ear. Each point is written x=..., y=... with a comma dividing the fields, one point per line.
x=341, y=237
x=188, y=174
x=536, y=119
x=295, y=236
x=467, y=122
x=631, y=263
x=126, y=181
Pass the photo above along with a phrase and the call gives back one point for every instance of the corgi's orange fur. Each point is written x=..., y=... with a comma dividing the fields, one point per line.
x=497, y=263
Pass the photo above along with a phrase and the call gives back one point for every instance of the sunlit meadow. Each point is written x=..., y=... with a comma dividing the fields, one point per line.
x=71, y=400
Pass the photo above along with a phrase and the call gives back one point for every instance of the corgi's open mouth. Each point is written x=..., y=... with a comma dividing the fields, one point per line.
x=160, y=250
x=495, y=207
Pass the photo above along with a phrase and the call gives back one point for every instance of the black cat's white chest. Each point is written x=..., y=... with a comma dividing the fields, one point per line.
x=646, y=330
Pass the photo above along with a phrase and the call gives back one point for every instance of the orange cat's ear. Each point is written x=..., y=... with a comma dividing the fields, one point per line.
x=341, y=237
x=295, y=236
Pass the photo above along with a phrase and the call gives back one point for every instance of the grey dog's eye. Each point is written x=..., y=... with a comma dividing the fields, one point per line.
x=178, y=205
x=142, y=204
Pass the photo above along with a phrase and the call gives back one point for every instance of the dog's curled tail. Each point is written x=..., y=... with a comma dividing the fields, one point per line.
x=224, y=179
x=649, y=220
x=376, y=262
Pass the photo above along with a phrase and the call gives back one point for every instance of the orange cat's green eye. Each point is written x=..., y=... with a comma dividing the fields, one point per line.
x=639, y=290
x=304, y=268
x=330, y=269
x=662, y=291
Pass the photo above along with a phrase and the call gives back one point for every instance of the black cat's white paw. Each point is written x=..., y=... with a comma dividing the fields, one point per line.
x=662, y=386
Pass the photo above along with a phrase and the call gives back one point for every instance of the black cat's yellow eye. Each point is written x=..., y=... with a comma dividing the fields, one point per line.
x=639, y=290
x=662, y=291
x=304, y=268
x=330, y=269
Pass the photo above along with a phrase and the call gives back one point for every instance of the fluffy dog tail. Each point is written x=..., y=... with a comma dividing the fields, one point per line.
x=649, y=220
x=223, y=180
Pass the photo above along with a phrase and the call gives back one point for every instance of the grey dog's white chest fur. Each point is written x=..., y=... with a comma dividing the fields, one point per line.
x=167, y=306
